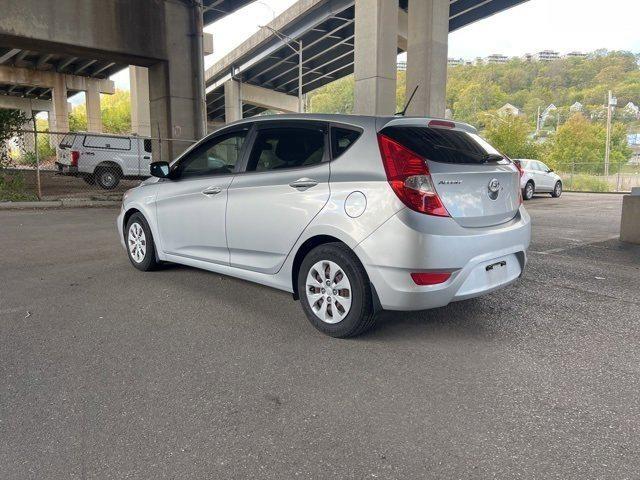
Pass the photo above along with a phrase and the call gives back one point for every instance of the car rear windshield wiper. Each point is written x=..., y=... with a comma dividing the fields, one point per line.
x=484, y=157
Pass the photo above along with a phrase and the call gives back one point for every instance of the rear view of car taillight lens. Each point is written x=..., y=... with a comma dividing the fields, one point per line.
x=409, y=177
x=518, y=165
x=75, y=155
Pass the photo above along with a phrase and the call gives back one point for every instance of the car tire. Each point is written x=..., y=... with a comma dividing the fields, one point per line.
x=90, y=179
x=108, y=177
x=344, y=307
x=557, y=189
x=528, y=191
x=139, y=241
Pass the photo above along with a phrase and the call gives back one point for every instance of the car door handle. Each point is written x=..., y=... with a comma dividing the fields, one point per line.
x=146, y=157
x=212, y=190
x=88, y=153
x=304, y=183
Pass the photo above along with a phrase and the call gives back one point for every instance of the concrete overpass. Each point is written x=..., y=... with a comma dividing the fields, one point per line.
x=95, y=38
x=340, y=37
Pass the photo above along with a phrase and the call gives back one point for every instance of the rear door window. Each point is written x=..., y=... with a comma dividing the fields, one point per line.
x=110, y=143
x=443, y=145
x=278, y=148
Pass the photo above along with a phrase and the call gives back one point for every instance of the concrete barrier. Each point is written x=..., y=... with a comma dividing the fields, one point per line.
x=630, y=222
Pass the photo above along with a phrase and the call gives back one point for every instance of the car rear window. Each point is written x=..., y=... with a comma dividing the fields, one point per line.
x=112, y=143
x=443, y=145
x=67, y=141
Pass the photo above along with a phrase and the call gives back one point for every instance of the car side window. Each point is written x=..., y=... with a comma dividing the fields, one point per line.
x=218, y=156
x=543, y=167
x=286, y=147
x=342, y=139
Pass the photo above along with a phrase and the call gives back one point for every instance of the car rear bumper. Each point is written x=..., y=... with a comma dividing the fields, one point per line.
x=64, y=169
x=411, y=242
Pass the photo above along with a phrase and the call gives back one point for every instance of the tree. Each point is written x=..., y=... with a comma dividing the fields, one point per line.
x=11, y=184
x=510, y=135
x=115, y=110
x=579, y=145
x=10, y=122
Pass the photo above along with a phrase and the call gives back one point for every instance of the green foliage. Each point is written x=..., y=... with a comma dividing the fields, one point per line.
x=474, y=89
x=13, y=189
x=78, y=118
x=336, y=97
x=579, y=145
x=510, y=135
x=586, y=183
x=115, y=110
x=10, y=122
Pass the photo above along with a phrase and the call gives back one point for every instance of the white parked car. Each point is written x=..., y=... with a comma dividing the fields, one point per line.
x=351, y=214
x=538, y=178
x=104, y=159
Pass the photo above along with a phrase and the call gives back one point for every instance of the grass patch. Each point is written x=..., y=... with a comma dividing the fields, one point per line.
x=13, y=189
x=586, y=183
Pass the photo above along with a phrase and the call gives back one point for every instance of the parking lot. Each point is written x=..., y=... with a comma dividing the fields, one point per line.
x=108, y=372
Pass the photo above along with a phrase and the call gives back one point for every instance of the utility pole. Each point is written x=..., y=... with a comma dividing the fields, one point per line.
x=538, y=122
x=611, y=102
x=288, y=41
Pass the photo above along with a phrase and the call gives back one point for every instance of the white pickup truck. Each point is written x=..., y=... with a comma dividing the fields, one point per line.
x=104, y=159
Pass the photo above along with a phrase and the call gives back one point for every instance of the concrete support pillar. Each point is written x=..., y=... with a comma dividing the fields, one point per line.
x=630, y=221
x=94, y=114
x=232, y=101
x=140, y=113
x=60, y=106
x=174, y=102
x=376, y=41
x=427, y=48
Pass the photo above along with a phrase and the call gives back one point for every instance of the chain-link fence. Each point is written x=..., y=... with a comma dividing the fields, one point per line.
x=52, y=166
x=590, y=177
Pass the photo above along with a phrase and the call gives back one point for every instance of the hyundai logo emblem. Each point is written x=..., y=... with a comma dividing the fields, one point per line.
x=494, y=185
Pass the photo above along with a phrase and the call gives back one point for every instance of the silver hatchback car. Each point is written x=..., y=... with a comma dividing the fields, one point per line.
x=351, y=214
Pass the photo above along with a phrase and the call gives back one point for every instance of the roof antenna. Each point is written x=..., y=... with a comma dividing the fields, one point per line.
x=404, y=110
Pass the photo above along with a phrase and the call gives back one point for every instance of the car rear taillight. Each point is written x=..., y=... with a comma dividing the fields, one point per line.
x=409, y=177
x=430, y=278
x=75, y=155
x=519, y=167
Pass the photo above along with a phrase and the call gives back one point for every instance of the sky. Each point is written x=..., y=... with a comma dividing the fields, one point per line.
x=561, y=25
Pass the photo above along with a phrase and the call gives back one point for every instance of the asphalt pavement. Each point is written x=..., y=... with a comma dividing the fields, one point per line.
x=108, y=372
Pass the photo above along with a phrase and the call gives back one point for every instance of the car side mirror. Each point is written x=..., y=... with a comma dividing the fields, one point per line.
x=550, y=170
x=159, y=169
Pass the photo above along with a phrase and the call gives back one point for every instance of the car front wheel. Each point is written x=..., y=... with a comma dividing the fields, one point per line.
x=140, y=246
x=557, y=190
x=335, y=292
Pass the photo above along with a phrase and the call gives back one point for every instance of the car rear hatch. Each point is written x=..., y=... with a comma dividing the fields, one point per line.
x=475, y=183
x=64, y=149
